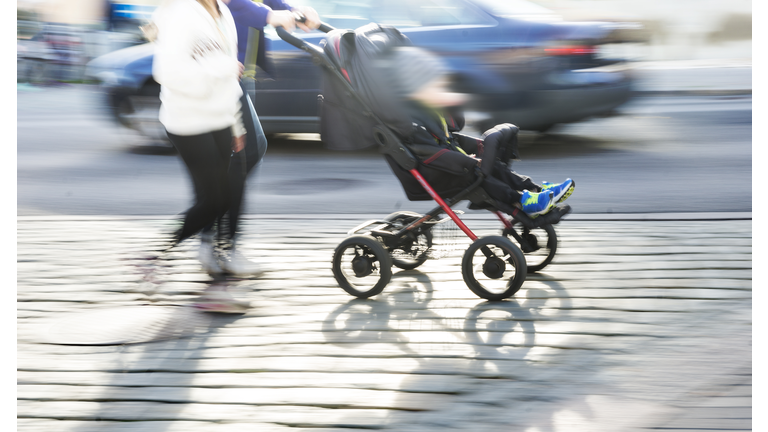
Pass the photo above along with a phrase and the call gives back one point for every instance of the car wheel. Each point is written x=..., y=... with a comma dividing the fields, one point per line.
x=123, y=109
x=37, y=72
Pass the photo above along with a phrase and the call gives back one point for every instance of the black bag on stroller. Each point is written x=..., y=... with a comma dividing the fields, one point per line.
x=345, y=122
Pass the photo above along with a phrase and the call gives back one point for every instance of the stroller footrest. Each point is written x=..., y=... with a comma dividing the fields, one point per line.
x=550, y=218
x=553, y=216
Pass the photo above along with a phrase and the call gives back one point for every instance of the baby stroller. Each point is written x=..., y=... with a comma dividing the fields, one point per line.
x=355, y=113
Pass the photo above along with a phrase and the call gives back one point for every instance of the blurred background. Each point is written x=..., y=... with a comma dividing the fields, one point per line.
x=77, y=31
x=642, y=101
x=646, y=104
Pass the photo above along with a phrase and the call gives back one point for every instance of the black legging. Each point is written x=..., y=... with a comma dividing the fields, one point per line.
x=206, y=157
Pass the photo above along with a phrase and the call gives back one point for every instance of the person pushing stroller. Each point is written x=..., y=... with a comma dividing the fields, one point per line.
x=418, y=78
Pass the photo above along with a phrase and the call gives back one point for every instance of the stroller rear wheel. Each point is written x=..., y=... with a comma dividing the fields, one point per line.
x=493, y=268
x=361, y=266
x=415, y=251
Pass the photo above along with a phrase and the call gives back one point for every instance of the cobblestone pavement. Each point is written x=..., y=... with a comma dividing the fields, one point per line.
x=636, y=326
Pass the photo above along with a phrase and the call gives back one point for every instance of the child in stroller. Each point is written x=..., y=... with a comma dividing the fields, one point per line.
x=417, y=77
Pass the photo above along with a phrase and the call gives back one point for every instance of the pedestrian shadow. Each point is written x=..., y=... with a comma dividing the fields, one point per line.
x=504, y=359
x=488, y=324
x=365, y=321
x=488, y=350
x=156, y=364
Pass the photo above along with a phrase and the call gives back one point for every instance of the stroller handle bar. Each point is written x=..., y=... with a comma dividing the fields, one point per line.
x=297, y=42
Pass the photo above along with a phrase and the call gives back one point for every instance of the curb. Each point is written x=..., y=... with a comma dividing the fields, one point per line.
x=638, y=93
x=638, y=217
x=654, y=93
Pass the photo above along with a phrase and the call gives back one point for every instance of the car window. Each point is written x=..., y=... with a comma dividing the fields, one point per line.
x=341, y=13
x=451, y=12
x=429, y=13
x=516, y=8
x=398, y=13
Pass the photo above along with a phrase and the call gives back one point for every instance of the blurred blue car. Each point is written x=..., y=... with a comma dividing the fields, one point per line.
x=520, y=61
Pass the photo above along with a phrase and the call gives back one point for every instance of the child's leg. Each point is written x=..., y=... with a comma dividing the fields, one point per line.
x=516, y=181
x=499, y=146
x=501, y=191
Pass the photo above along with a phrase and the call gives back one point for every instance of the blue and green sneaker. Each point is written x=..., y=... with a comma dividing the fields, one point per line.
x=536, y=203
x=561, y=190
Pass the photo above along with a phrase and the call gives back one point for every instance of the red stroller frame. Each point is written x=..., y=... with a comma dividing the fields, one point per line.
x=493, y=267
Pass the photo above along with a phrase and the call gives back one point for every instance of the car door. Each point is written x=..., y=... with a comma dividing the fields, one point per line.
x=287, y=101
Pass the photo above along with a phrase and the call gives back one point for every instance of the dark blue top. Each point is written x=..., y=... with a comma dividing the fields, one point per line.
x=248, y=13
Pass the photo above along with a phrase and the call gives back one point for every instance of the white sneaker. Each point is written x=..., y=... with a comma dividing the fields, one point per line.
x=208, y=259
x=220, y=301
x=239, y=265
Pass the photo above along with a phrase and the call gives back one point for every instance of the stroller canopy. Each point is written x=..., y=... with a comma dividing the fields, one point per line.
x=357, y=95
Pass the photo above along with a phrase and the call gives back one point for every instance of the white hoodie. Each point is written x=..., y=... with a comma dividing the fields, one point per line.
x=196, y=65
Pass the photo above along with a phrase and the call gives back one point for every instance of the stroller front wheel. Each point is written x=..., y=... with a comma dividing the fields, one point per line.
x=493, y=268
x=361, y=266
x=538, y=244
